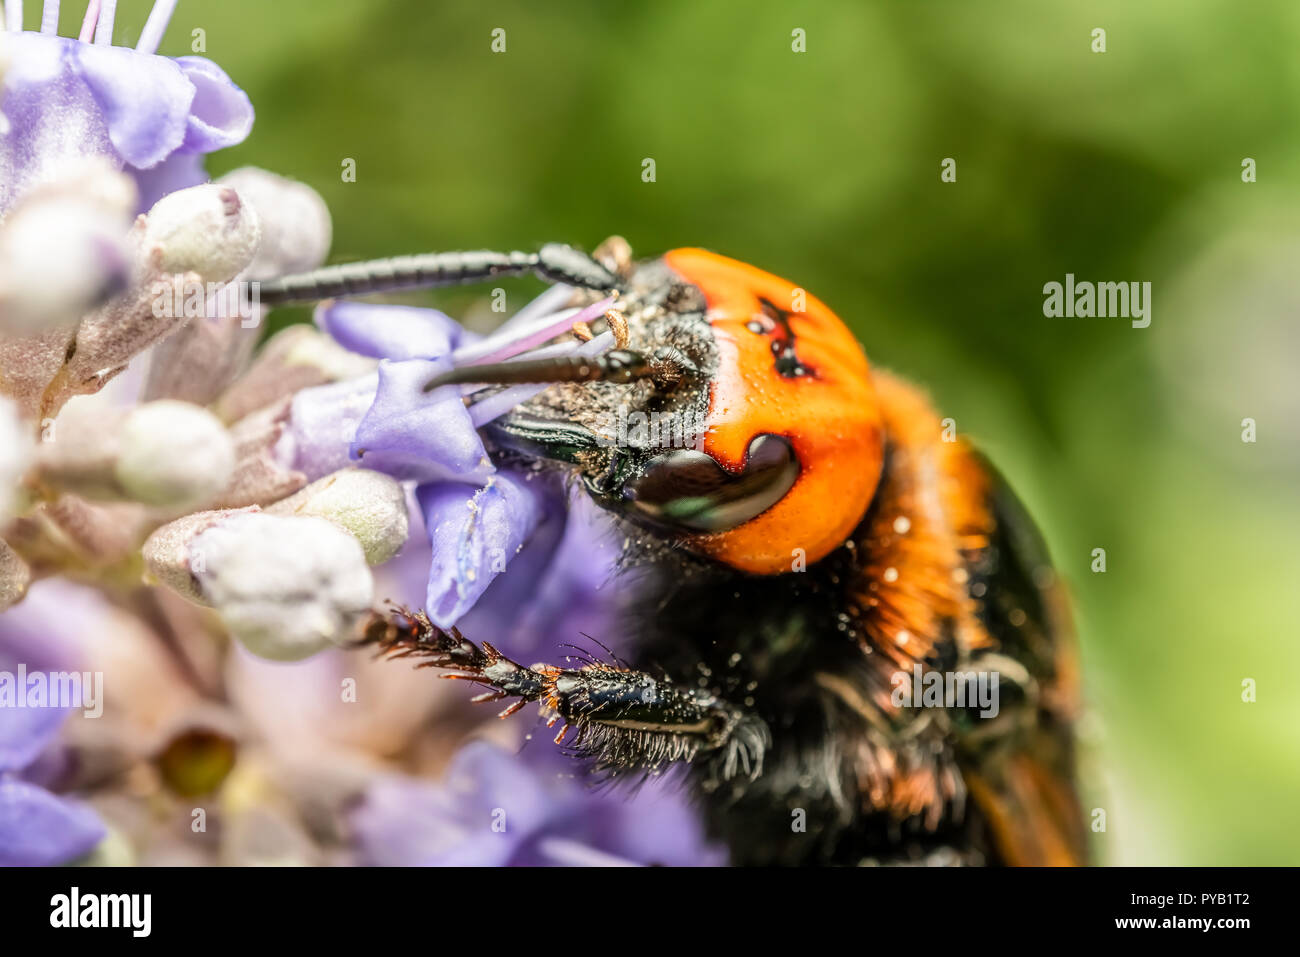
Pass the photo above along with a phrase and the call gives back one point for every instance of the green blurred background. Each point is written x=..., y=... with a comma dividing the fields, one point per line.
x=824, y=167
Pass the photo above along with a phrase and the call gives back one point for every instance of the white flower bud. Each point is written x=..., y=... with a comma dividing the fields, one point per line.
x=174, y=454
x=204, y=229
x=203, y=358
x=295, y=222
x=63, y=249
x=167, y=557
x=369, y=505
x=286, y=587
x=168, y=453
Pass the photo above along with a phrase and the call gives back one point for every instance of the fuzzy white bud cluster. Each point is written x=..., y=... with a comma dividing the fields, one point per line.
x=204, y=229
x=295, y=222
x=173, y=453
x=369, y=505
x=63, y=249
x=287, y=584
x=167, y=453
x=286, y=587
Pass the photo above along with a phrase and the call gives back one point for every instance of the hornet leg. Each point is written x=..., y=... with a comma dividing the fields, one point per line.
x=626, y=720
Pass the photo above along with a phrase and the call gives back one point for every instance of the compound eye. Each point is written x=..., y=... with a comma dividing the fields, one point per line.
x=687, y=489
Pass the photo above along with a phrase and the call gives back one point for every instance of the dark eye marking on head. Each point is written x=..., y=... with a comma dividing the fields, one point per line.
x=775, y=322
x=688, y=489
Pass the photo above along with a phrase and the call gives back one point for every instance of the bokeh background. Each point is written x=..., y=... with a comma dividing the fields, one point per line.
x=824, y=167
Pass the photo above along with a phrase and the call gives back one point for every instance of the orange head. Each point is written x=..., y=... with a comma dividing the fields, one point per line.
x=783, y=444
x=787, y=366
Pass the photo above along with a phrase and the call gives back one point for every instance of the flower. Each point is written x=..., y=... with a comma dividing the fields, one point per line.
x=37, y=826
x=493, y=809
x=196, y=235
x=164, y=453
x=68, y=106
x=152, y=116
x=507, y=554
x=287, y=586
x=63, y=248
x=311, y=461
x=479, y=517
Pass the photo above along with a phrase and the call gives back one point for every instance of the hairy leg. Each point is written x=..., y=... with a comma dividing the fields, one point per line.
x=625, y=720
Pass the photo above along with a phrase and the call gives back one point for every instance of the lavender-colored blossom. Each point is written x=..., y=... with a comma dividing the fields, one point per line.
x=37, y=827
x=559, y=587
x=493, y=809
x=475, y=532
x=154, y=117
x=386, y=421
x=390, y=332
x=419, y=436
x=479, y=518
x=505, y=555
x=323, y=420
x=510, y=555
x=581, y=591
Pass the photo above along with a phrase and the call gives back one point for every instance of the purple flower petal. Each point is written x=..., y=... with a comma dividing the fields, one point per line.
x=475, y=533
x=506, y=609
x=145, y=100
x=34, y=636
x=221, y=114
x=422, y=436
x=658, y=824
x=38, y=829
x=576, y=594
x=555, y=588
x=55, y=766
x=53, y=118
x=26, y=732
x=389, y=332
x=323, y=422
x=65, y=100
x=492, y=808
x=487, y=805
x=178, y=171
